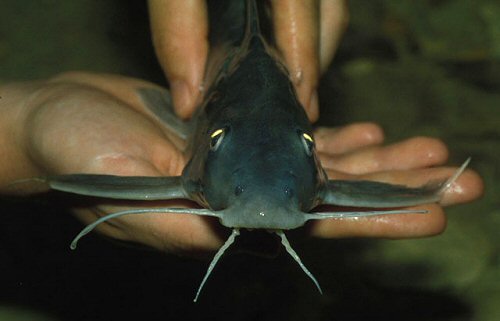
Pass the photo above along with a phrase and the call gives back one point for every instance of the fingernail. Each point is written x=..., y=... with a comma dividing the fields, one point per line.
x=182, y=98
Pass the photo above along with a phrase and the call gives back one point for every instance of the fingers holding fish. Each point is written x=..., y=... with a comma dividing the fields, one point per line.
x=334, y=19
x=180, y=37
x=338, y=141
x=308, y=34
x=297, y=30
x=415, y=152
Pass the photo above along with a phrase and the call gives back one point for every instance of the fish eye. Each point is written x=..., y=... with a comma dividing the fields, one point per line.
x=216, y=138
x=308, y=143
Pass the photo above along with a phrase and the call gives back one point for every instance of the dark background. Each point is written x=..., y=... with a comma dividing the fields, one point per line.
x=428, y=67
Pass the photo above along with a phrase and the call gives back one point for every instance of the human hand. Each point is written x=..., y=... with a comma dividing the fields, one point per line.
x=87, y=123
x=307, y=34
x=355, y=152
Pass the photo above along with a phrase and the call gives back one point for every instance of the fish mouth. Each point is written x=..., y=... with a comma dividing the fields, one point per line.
x=279, y=218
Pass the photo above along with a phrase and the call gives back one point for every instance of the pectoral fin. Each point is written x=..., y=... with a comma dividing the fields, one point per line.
x=119, y=187
x=376, y=194
x=380, y=195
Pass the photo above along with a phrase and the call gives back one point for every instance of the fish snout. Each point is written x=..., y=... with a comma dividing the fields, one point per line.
x=255, y=183
x=264, y=198
x=282, y=193
x=263, y=212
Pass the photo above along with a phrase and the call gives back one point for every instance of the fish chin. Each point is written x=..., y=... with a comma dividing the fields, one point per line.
x=274, y=219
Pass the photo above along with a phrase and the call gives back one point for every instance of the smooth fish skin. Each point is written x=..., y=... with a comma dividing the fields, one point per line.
x=252, y=162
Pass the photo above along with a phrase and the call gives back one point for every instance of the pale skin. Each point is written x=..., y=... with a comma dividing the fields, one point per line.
x=94, y=123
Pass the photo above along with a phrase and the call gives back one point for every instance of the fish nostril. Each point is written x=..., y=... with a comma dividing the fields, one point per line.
x=238, y=190
x=289, y=192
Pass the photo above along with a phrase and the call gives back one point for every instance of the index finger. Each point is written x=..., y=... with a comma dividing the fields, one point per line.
x=296, y=26
x=180, y=37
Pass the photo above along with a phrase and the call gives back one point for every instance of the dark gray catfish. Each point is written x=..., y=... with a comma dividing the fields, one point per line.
x=253, y=163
